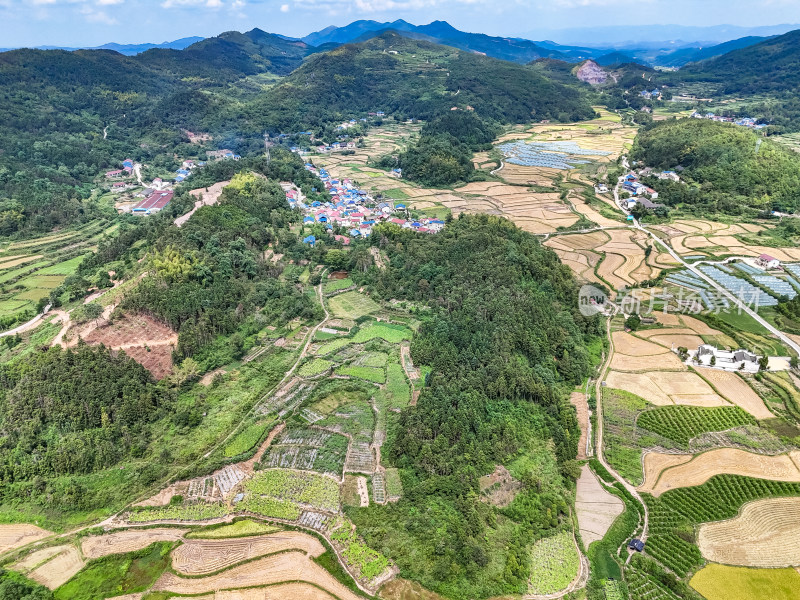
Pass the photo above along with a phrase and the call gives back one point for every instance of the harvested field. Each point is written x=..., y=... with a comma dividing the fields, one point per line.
x=667, y=360
x=655, y=463
x=766, y=533
x=735, y=389
x=663, y=388
x=14, y=536
x=278, y=568
x=676, y=340
x=783, y=467
x=596, y=507
x=59, y=569
x=201, y=557
x=578, y=400
x=129, y=540
x=283, y=591
x=625, y=343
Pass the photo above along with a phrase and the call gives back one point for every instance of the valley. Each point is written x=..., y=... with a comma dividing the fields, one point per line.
x=413, y=318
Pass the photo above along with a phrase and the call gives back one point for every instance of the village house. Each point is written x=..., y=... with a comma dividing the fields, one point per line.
x=768, y=262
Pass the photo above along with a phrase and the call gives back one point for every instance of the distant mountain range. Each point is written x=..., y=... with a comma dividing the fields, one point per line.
x=606, y=49
x=128, y=49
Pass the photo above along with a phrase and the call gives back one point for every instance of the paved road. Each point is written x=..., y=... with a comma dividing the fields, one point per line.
x=25, y=326
x=694, y=269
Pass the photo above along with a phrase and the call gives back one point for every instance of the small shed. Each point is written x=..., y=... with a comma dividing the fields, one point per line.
x=636, y=544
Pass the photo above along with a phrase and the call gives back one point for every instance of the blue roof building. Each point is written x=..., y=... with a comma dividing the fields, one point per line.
x=310, y=240
x=308, y=219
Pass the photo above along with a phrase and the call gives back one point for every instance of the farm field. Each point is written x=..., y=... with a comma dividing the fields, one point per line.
x=596, y=508
x=31, y=269
x=14, y=536
x=766, y=533
x=784, y=467
x=720, y=582
x=554, y=564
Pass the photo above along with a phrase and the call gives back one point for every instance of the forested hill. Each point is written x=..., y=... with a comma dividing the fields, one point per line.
x=416, y=79
x=506, y=343
x=769, y=66
x=726, y=168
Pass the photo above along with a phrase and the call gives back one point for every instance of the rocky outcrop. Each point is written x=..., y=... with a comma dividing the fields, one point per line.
x=591, y=73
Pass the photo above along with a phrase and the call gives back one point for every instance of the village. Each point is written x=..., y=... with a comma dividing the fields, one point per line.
x=353, y=210
x=740, y=121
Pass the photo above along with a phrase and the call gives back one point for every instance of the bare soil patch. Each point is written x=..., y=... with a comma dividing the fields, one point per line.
x=596, y=508
x=278, y=568
x=201, y=557
x=129, y=540
x=284, y=591
x=14, y=536
x=667, y=387
x=499, y=488
x=403, y=589
x=766, y=534
x=52, y=566
x=578, y=400
x=731, y=461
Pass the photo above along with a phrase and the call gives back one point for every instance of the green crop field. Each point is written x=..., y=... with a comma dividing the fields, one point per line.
x=246, y=439
x=675, y=514
x=369, y=373
x=554, y=564
x=641, y=585
x=242, y=528
x=372, y=359
x=397, y=388
x=352, y=305
x=292, y=486
x=682, y=423
x=721, y=582
x=314, y=367
x=334, y=285
x=394, y=334
x=194, y=511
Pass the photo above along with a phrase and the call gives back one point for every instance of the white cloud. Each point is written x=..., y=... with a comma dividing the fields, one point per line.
x=109, y=2
x=284, y=8
x=375, y=6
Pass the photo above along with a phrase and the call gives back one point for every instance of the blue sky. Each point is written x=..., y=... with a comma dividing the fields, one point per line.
x=93, y=22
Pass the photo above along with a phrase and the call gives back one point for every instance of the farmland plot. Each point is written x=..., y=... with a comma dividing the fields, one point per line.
x=720, y=582
x=308, y=489
x=51, y=567
x=554, y=564
x=732, y=461
x=130, y=540
x=278, y=568
x=766, y=533
x=596, y=508
x=202, y=557
x=14, y=536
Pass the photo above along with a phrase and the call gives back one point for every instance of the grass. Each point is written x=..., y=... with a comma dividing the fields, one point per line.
x=365, y=560
x=554, y=564
x=68, y=267
x=246, y=439
x=314, y=367
x=682, y=423
x=721, y=582
x=117, y=574
x=394, y=486
x=352, y=305
x=372, y=359
x=243, y=528
x=369, y=373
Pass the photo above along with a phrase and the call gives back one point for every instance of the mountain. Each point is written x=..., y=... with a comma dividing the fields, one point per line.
x=231, y=55
x=348, y=33
x=127, y=49
x=613, y=58
x=655, y=36
x=770, y=66
x=414, y=79
x=441, y=32
x=678, y=58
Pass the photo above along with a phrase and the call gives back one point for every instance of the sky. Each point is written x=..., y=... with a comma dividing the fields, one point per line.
x=94, y=22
